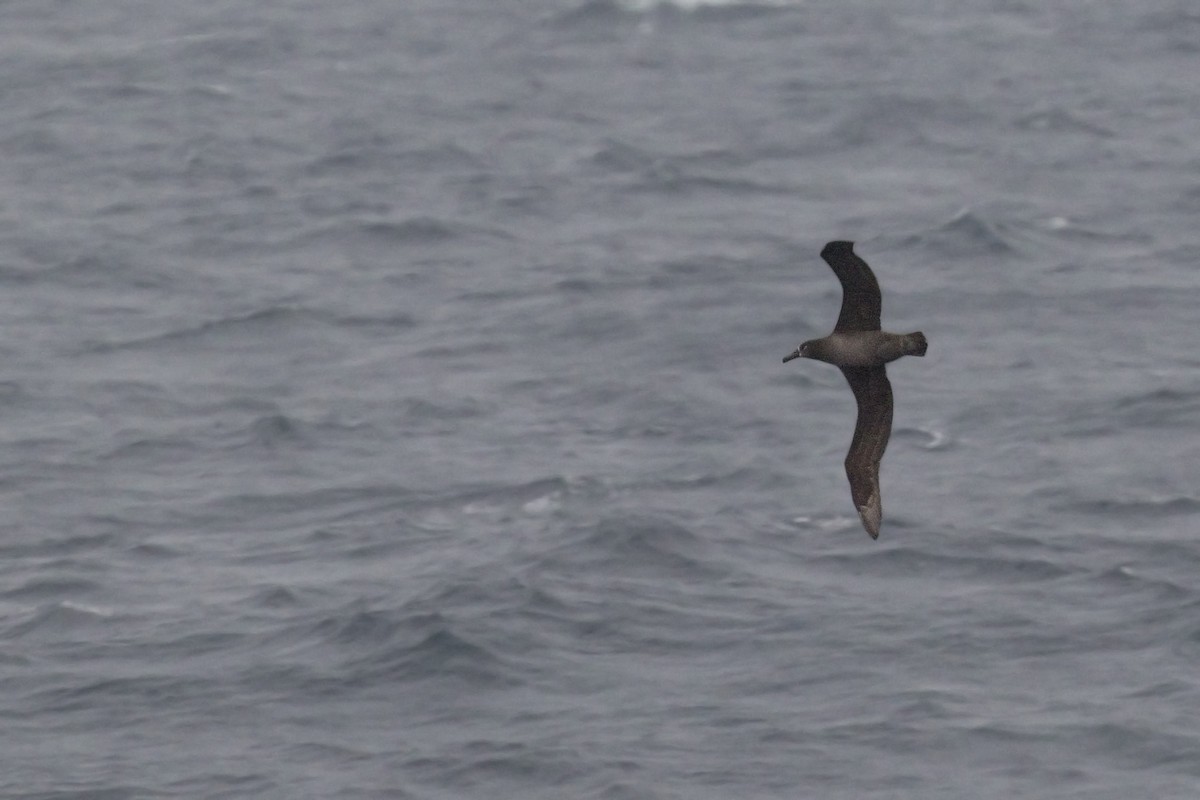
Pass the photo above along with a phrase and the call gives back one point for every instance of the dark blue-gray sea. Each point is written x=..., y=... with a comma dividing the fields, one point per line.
x=392, y=400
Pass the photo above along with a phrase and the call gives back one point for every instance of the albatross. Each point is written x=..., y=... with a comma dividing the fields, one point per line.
x=860, y=349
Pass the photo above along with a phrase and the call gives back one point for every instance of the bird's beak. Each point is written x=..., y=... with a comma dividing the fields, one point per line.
x=794, y=354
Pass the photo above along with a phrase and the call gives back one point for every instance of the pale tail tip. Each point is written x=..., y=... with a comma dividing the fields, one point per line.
x=871, y=517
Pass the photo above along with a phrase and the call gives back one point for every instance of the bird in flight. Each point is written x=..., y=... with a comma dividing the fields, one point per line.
x=860, y=349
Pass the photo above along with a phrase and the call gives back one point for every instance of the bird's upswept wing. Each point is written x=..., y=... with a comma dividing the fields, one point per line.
x=860, y=291
x=873, y=392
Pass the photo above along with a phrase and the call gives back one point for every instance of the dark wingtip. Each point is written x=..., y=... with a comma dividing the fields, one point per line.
x=919, y=344
x=837, y=247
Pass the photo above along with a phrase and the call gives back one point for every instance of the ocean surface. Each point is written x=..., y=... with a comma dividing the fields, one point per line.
x=392, y=400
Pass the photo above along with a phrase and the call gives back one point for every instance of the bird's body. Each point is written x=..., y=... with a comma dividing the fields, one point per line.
x=861, y=349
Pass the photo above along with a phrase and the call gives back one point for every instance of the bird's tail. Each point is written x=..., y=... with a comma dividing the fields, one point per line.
x=915, y=344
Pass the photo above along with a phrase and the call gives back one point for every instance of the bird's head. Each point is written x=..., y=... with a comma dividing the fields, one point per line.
x=803, y=351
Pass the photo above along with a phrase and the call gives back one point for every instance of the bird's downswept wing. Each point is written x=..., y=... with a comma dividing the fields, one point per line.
x=873, y=391
x=861, y=303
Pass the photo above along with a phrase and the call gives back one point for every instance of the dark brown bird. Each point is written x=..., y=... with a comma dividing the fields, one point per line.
x=860, y=349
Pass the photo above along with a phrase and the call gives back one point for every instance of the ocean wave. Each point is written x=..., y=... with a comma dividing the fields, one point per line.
x=239, y=428
x=899, y=121
x=441, y=654
x=260, y=324
x=927, y=437
x=224, y=46
x=677, y=181
x=320, y=507
x=906, y=560
x=273, y=430
x=637, y=545
x=528, y=497
x=754, y=476
x=967, y=233
x=394, y=644
x=59, y=546
x=1162, y=407
x=352, y=230
x=381, y=153
x=1061, y=120
x=594, y=11
x=722, y=8
x=258, y=321
x=50, y=588
x=681, y=173
x=277, y=597
x=59, y=617
x=150, y=450
x=413, y=230
x=1133, y=746
x=104, y=267
x=13, y=394
x=446, y=408
x=1134, y=508
x=36, y=141
x=156, y=551
x=1128, y=578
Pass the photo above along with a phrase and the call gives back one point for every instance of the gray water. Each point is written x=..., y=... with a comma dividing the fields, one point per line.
x=392, y=404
